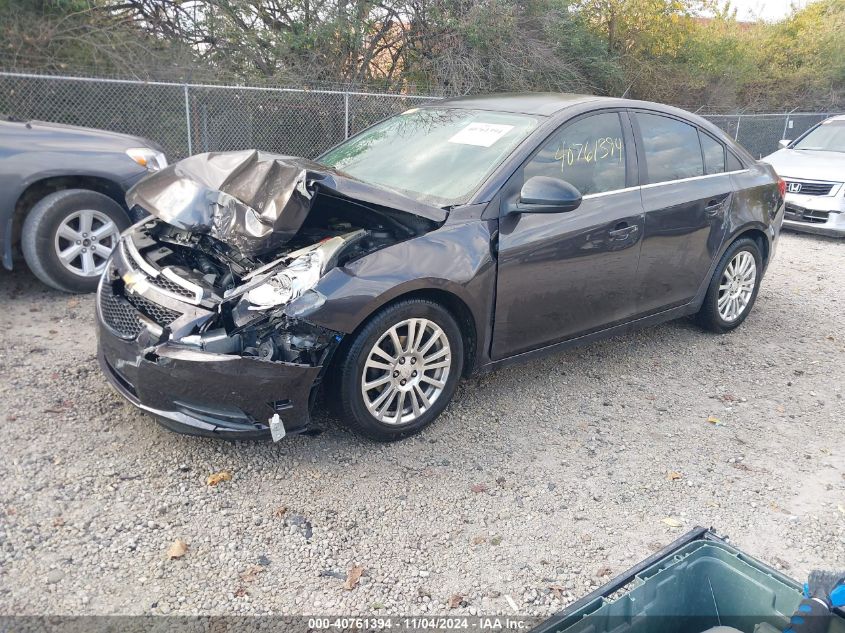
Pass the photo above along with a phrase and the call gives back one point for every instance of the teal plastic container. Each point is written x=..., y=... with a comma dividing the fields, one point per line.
x=700, y=585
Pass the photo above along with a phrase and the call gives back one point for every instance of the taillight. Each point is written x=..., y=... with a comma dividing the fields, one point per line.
x=782, y=187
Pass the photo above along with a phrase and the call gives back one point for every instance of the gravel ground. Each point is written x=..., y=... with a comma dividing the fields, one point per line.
x=537, y=483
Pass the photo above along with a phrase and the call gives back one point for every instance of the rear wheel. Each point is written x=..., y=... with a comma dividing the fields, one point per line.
x=734, y=287
x=401, y=370
x=68, y=236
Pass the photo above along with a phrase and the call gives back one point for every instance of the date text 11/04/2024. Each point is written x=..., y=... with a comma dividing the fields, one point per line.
x=428, y=623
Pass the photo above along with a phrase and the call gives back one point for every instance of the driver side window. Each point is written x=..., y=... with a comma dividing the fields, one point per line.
x=589, y=154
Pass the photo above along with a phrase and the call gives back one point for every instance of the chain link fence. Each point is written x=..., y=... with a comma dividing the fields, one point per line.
x=191, y=118
x=760, y=133
x=187, y=119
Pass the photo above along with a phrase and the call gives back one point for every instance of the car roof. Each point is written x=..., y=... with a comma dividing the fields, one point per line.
x=549, y=104
x=838, y=117
x=536, y=103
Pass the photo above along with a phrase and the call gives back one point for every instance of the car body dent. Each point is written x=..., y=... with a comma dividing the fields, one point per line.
x=353, y=292
x=254, y=201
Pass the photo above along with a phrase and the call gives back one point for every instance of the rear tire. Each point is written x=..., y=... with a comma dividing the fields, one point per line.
x=733, y=288
x=409, y=384
x=68, y=235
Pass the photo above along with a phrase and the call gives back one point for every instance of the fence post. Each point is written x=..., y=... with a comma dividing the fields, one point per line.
x=736, y=132
x=786, y=122
x=188, y=120
x=345, y=115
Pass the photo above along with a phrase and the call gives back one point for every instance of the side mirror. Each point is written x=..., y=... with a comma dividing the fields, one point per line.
x=542, y=194
x=784, y=143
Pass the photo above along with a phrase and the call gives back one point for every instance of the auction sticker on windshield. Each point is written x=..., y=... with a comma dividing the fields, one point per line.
x=481, y=134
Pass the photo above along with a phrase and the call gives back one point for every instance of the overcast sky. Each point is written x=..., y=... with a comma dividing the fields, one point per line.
x=769, y=10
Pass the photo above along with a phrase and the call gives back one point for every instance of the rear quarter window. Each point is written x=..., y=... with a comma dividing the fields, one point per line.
x=733, y=162
x=714, y=154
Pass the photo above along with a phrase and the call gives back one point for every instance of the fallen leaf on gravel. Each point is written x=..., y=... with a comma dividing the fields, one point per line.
x=280, y=512
x=714, y=420
x=780, y=562
x=177, y=549
x=478, y=540
x=455, y=600
x=352, y=577
x=781, y=409
x=72, y=303
x=496, y=540
x=240, y=592
x=557, y=590
x=58, y=522
x=603, y=571
x=673, y=475
x=251, y=573
x=479, y=488
x=672, y=522
x=216, y=478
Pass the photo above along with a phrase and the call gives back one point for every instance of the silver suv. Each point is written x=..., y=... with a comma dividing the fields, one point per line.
x=813, y=167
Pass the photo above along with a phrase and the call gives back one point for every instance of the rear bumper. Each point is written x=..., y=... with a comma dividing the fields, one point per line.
x=201, y=393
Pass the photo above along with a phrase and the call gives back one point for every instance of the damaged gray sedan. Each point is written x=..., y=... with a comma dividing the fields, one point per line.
x=447, y=240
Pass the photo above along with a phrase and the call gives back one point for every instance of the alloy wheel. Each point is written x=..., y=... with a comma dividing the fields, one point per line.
x=406, y=371
x=84, y=241
x=737, y=286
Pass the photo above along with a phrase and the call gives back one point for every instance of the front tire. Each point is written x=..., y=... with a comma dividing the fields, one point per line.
x=400, y=371
x=733, y=288
x=68, y=236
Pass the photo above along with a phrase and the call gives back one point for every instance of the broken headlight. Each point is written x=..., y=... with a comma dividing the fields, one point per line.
x=304, y=268
x=287, y=284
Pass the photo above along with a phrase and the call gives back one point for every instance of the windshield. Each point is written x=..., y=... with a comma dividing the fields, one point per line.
x=436, y=156
x=828, y=137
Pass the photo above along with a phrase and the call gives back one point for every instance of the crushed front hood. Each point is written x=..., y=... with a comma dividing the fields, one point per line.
x=254, y=201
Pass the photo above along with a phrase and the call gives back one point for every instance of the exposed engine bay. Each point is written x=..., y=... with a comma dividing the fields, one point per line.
x=192, y=286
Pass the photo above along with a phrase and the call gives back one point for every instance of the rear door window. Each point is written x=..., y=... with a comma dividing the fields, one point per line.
x=672, y=150
x=714, y=154
x=588, y=153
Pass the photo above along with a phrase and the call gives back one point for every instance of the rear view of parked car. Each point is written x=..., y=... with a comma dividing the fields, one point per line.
x=813, y=167
x=62, y=197
x=451, y=239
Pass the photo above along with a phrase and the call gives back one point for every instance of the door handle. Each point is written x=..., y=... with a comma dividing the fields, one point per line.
x=715, y=205
x=623, y=231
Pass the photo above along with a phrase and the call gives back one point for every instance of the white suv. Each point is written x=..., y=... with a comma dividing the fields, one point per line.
x=813, y=167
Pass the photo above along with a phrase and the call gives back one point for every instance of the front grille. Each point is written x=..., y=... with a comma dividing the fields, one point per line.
x=118, y=314
x=809, y=188
x=171, y=286
x=160, y=281
x=161, y=315
x=800, y=214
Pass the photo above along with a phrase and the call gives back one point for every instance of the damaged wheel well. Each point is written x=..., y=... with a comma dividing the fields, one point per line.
x=454, y=304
